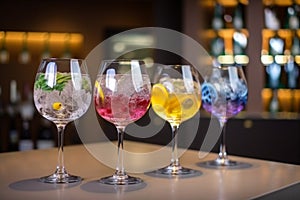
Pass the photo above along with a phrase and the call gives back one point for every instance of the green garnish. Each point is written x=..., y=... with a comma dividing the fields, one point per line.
x=61, y=80
x=85, y=84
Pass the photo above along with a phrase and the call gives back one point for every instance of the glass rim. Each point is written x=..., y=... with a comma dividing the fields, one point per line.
x=61, y=59
x=121, y=60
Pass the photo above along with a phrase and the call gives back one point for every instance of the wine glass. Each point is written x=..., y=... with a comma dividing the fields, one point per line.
x=224, y=95
x=62, y=94
x=121, y=95
x=176, y=97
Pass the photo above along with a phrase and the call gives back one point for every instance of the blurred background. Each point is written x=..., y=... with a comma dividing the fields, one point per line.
x=233, y=31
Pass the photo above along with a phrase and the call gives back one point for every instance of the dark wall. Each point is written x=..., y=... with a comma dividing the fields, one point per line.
x=90, y=18
x=93, y=19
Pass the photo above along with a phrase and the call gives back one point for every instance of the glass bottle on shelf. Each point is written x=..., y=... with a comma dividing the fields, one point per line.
x=12, y=110
x=1, y=103
x=276, y=47
x=218, y=20
x=239, y=38
x=217, y=45
x=26, y=112
x=25, y=56
x=26, y=142
x=292, y=19
x=45, y=138
x=13, y=143
x=2, y=121
x=291, y=67
x=4, y=54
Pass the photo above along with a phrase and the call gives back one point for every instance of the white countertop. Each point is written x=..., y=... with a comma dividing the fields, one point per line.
x=19, y=173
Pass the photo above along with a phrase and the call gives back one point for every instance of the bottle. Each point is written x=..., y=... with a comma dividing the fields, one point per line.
x=45, y=136
x=271, y=20
x=291, y=66
x=218, y=21
x=295, y=50
x=26, y=112
x=239, y=38
x=292, y=20
x=4, y=54
x=217, y=44
x=26, y=142
x=13, y=136
x=238, y=19
x=1, y=104
x=12, y=110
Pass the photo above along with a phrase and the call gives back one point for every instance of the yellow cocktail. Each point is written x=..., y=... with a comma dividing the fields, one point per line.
x=173, y=102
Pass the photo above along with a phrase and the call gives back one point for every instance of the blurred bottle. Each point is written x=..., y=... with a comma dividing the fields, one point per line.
x=291, y=67
x=292, y=19
x=1, y=104
x=239, y=38
x=45, y=136
x=218, y=20
x=4, y=54
x=217, y=46
x=13, y=134
x=27, y=112
x=12, y=110
x=271, y=20
x=26, y=142
x=2, y=123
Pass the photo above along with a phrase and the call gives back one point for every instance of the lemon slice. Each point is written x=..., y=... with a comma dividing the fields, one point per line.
x=159, y=97
x=159, y=94
x=99, y=90
x=56, y=106
x=174, y=105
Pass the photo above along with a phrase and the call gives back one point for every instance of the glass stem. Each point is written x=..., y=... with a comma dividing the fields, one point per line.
x=120, y=162
x=223, y=153
x=174, y=159
x=60, y=165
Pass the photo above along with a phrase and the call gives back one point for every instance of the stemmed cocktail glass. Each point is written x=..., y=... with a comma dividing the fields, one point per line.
x=62, y=94
x=176, y=97
x=224, y=95
x=122, y=96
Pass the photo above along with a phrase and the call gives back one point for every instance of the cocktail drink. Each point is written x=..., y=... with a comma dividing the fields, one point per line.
x=121, y=96
x=224, y=95
x=176, y=105
x=62, y=102
x=62, y=93
x=122, y=107
x=176, y=97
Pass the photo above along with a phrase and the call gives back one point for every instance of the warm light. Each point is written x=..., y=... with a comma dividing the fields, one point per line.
x=281, y=59
x=229, y=3
x=13, y=37
x=226, y=59
x=241, y=59
x=266, y=95
x=297, y=59
x=267, y=59
x=279, y=2
x=43, y=44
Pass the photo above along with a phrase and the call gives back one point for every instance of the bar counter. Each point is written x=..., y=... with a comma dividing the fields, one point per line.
x=19, y=173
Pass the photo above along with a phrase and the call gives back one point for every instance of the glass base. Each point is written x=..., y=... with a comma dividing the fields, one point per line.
x=60, y=178
x=177, y=170
x=120, y=180
x=225, y=163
